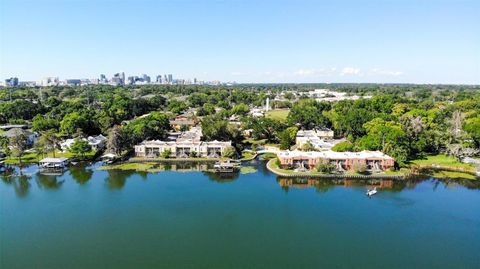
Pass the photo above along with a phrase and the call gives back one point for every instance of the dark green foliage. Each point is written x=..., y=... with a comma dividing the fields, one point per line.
x=80, y=147
x=325, y=166
x=308, y=114
x=343, y=146
x=153, y=126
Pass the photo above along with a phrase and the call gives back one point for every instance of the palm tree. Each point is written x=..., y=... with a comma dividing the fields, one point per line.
x=49, y=140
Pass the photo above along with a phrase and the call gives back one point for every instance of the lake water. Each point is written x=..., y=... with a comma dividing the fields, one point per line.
x=87, y=218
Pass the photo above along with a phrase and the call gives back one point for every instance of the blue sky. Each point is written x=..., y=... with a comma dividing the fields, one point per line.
x=416, y=41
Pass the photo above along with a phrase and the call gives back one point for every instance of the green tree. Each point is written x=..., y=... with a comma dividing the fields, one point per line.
x=18, y=144
x=229, y=152
x=359, y=167
x=240, y=109
x=343, y=146
x=72, y=122
x=154, y=126
x=472, y=127
x=41, y=123
x=80, y=147
x=176, y=106
x=116, y=140
x=309, y=114
x=49, y=141
x=307, y=147
x=166, y=154
x=325, y=166
x=287, y=137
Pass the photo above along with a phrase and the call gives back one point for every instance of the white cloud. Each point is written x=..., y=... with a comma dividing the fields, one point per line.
x=350, y=71
x=305, y=72
x=314, y=72
x=379, y=71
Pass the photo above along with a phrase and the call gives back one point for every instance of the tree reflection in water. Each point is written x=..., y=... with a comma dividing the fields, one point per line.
x=323, y=185
x=49, y=181
x=81, y=173
x=116, y=178
x=21, y=184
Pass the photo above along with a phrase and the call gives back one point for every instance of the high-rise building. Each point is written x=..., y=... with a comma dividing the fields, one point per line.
x=11, y=82
x=103, y=78
x=118, y=78
x=165, y=79
x=170, y=78
x=50, y=81
x=146, y=78
x=131, y=80
x=159, y=79
x=73, y=82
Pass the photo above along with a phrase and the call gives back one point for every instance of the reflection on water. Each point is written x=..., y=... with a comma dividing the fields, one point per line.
x=323, y=185
x=221, y=177
x=20, y=180
x=49, y=181
x=116, y=178
x=21, y=184
x=81, y=173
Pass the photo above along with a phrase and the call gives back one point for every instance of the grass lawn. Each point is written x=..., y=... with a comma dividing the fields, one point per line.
x=454, y=175
x=26, y=158
x=443, y=160
x=144, y=166
x=67, y=154
x=247, y=155
x=279, y=114
x=400, y=172
x=32, y=157
x=255, y=142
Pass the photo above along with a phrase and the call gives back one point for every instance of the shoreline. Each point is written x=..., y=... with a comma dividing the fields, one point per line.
x=420, y=172
x=310, y=175
x=161, y=160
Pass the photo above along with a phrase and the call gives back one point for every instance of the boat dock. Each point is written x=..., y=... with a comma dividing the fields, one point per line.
x=226, y=167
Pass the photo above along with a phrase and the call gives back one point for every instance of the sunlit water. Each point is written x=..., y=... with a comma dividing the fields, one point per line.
x=87, y=218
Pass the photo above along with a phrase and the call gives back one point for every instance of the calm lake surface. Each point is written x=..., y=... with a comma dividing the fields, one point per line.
x=87, y=218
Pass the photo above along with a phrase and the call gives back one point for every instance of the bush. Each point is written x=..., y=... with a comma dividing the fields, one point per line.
x=325, y=166
x=166, y=154
x=229, y=153
x=307, y=147
x=359, y=167
x=277, y=162
x=343, y=146
x=193, y=154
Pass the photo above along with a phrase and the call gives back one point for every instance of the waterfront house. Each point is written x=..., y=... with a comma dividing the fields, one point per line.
x=95, y=142
x=13, y=132
x=373, y=160
x=184, y=146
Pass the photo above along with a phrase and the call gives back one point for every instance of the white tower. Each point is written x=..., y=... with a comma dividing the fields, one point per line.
x=267, y=104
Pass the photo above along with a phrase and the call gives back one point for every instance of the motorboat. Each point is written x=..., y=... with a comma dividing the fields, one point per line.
x=371, y=192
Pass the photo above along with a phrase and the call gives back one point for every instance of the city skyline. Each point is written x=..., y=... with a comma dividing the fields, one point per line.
x=247, y=42
x=117, y=79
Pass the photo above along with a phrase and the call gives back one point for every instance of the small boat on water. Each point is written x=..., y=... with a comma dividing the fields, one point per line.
x=371, y=192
